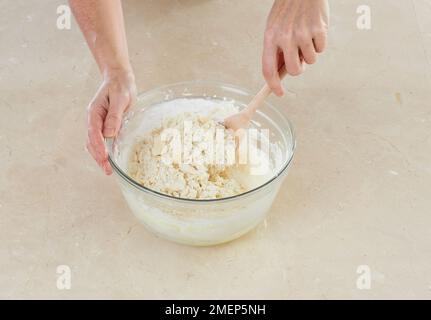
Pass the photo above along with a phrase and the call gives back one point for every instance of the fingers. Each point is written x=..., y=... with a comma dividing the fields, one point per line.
x=319, y=40
x=117, y=105
x=95, y=141
x=270, y=65
x=292, y=60
x=308, y=52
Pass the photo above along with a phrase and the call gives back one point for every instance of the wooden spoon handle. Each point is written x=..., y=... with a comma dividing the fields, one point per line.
x=263, y=93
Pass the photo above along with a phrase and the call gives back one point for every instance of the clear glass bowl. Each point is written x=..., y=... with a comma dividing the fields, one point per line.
x=199, y=222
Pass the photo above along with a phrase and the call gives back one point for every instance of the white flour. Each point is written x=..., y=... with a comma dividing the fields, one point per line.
x=200, y=169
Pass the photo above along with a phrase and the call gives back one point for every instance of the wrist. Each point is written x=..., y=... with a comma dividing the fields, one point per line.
x=113, y=63
x=118, y=71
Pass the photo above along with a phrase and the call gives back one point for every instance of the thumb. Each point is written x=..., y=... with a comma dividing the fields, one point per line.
x=113, y=119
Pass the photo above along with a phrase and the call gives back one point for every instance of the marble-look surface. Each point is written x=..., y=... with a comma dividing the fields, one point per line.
x=358, y=193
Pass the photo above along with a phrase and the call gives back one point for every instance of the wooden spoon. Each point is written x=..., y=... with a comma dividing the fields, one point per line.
x=241, y=120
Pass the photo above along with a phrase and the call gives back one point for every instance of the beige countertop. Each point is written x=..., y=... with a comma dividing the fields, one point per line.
x=357, y=194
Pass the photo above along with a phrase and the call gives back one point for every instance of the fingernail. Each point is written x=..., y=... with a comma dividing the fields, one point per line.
x=107, y=168
x=109, y=132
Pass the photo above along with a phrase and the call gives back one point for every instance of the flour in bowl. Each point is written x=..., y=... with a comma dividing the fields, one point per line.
x=188, y=156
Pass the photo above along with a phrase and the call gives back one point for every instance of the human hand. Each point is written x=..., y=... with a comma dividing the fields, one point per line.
x=296, y=32
x=116, y=93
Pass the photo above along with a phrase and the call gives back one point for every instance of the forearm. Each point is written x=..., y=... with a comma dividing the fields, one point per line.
x=102, y=24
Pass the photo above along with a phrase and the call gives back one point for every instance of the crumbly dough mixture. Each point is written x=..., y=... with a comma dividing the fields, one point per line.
x=197, y=174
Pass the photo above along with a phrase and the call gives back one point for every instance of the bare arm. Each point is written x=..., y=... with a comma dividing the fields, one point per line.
x=102, y=24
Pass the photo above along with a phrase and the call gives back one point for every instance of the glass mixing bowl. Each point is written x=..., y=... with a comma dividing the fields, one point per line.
x=199, y=222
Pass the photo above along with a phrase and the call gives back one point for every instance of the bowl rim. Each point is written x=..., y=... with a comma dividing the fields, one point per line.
x=223, y=85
